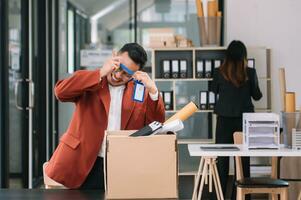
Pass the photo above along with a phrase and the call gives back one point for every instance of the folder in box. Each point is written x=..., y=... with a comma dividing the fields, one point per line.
x=166, y=69
x=175, y=68
x=203, y=100
x=208, y=69
x=212, y=99
x=183, y=68
x=200, y=69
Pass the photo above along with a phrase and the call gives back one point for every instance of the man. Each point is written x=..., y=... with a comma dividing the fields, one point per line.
x=104, y=101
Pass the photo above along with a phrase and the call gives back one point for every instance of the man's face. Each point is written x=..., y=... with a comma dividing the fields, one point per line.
x=120, y=77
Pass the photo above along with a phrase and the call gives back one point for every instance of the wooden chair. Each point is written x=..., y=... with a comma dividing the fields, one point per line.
x=50, y=183
x=271, y=185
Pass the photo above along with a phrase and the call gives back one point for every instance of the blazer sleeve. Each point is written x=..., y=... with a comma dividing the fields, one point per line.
x=214, y=84
x=70, y=89
x=255, y=90
x=155, y=110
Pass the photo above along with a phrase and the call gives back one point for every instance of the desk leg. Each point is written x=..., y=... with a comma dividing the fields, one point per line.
x=219, y=187
x=210, y=175
x=204, y=174
x=216, y=186
x=197, y=181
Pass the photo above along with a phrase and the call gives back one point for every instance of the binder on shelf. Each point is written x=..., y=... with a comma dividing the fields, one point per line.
x=217, y=63
x=208, y=69
x=212, y=100
x=203, y=100
x=168, y=100
x=183, y=68
x=200, y=69
x=251, y=62
x=175, y=68
x=166, y=68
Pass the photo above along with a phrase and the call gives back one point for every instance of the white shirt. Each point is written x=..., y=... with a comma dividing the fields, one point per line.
x=114, y=118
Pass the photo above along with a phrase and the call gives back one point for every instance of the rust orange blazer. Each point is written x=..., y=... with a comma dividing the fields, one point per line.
x=80, y=144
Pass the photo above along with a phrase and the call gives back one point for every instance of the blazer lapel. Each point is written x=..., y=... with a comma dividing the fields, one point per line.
x=104, y=95
x=128, y=105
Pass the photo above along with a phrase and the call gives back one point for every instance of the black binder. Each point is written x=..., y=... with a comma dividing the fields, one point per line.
x=217, y=63
x=183, y=68
x=200, y=69
x=211, y=100
x=168, y=100
x=208, y=69
x=166, y=68
x=203, y=100
x=175, y=68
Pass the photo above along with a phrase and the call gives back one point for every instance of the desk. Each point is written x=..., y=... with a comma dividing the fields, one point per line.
x=208, y=160
x=51, y=194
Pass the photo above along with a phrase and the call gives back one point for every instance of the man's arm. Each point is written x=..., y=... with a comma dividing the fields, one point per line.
x=155, y=110
x=69, y=89
x=81, y=81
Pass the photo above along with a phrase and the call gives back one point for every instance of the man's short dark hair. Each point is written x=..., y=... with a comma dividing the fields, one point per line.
x=136, y=53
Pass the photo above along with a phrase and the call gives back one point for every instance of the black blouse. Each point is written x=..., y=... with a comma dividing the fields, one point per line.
x=233, y=101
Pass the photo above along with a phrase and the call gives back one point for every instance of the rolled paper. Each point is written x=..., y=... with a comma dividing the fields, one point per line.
x=218, y=27
x=212, y=8
x=199, y=6
x=282, y=87
x=290, y=105
x=184, y=113
x=298, y=127
x=212, y=21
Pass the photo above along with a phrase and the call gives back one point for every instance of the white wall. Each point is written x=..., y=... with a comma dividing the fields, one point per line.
x=275, y=24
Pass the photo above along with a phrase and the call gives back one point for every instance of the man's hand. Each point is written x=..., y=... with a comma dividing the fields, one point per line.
x=146, y=80
x=110, y=65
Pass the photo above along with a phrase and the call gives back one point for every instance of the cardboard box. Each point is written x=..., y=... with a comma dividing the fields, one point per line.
x=141, y=167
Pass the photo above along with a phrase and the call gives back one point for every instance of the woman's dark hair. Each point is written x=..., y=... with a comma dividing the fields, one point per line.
x=136, y=53
x=234, y=68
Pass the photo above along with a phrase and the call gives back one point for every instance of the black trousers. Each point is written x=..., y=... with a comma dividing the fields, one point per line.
x=225, y=128
x=95, y=178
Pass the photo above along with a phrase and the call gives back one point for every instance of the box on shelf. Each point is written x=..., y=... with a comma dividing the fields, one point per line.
x=261, y=130
x=140, y=167
x=161, y=37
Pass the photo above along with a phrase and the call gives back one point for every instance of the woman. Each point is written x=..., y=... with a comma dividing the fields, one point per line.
x=234, y=83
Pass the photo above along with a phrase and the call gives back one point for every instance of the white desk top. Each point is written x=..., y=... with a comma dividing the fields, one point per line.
x=195, y=150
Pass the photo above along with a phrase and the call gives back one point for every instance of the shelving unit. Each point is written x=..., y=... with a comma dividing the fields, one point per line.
x=200, y=128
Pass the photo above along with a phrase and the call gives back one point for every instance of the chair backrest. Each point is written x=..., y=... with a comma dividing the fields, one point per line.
x=238, y=139
x=50, y=183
